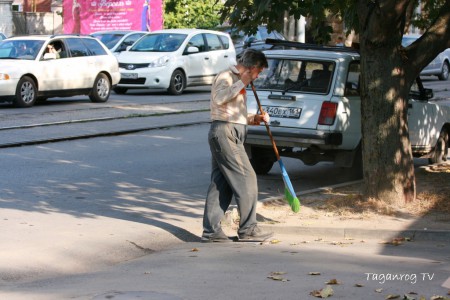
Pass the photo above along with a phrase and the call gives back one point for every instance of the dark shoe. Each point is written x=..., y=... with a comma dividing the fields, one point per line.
x=255, y=234
x=218, y=238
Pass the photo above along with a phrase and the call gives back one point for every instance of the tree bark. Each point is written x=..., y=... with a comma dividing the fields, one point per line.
x=387, y=156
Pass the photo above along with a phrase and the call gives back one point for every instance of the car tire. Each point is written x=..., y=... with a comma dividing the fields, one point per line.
x=177, y=83
x=440, y=151
x=120, y=90
x=445, y=71
x=262, y=160
x=101, y=90
x=26, y=92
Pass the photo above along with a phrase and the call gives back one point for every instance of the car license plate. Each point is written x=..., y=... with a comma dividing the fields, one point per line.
x=129, y=75
x=283, y=112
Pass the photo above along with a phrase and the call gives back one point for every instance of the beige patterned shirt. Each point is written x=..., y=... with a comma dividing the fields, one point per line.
x=229, y=98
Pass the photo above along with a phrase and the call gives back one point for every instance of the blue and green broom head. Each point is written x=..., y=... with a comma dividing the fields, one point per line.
x=289, y=193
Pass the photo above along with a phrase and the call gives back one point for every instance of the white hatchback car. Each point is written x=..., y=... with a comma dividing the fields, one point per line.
x=79, y=65
x=174, y=59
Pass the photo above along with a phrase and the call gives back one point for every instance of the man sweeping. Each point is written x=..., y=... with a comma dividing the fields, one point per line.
x=232, y=173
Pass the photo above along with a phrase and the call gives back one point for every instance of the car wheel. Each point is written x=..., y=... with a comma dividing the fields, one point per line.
x=440, y=150
x=120, y=90
x=177, y=83
x=262, y=160
x=101, y=89
x=444, y=72
x=26, y=92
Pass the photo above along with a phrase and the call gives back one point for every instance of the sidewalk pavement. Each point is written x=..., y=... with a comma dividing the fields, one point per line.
x=309, y=253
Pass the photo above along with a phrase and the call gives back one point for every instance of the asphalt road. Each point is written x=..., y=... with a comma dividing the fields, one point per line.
x=75, y=206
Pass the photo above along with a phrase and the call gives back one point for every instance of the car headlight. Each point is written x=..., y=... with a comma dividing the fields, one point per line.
x=160, y=62
x=4, y=76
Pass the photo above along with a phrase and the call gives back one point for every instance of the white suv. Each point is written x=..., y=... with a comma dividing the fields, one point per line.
x=312, y=96
x=79, y=65
x=174, y=59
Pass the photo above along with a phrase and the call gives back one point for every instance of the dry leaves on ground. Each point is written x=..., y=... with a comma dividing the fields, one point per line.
x=433, y=188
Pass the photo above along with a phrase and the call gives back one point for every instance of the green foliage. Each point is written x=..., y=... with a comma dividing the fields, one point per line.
x=191, y=14
x=246, y=15
x=432, y=9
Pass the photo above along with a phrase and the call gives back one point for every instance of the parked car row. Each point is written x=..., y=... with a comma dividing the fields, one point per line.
x=170, y=59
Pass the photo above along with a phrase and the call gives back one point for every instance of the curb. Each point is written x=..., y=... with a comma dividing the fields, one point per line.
x=358, y=233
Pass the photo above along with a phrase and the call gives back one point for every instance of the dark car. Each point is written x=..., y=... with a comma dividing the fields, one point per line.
x=257, y=41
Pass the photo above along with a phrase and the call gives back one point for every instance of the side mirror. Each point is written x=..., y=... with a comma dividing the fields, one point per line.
x=192, y=49
x=248, y=42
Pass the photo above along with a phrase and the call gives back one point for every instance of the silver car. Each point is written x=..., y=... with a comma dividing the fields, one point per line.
x=440, y=66
x=118, y=40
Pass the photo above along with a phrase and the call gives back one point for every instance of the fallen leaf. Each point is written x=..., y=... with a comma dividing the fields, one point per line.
x=194, y=250
x=314, y=273
x=408, y=297
x=277, y=273
x=323, y=293
x=438, y=297
x=278, y=278
x=378, y=290
x=274, y=241
x=392, y=297
x=333, y=281
x=326, y=292
x=359, y=285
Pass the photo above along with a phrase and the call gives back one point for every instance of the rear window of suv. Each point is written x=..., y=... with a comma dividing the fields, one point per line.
x=302, y=76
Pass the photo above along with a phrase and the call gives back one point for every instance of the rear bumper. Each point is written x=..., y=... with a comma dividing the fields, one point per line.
x=290, y=137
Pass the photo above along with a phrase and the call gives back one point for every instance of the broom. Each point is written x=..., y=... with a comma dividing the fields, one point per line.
x=289, y=193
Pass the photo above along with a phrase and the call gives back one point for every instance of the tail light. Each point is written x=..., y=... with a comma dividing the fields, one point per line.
x=327, y=113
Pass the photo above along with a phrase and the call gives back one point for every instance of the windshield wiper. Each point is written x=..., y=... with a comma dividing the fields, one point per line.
x=295, y=84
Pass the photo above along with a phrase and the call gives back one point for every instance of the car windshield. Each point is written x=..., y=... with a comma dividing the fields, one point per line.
x=20, y=49
x=159, y=42
x=303, y=76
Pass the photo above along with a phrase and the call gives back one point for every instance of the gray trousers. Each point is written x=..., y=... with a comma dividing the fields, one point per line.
x=231, y=175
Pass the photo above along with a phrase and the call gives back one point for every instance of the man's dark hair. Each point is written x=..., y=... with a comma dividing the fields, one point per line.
x=253, y=58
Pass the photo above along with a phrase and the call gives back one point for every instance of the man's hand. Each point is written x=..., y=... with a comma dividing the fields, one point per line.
x=264, y=117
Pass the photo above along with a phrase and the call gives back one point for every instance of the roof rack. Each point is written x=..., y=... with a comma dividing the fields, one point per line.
x=306, y=46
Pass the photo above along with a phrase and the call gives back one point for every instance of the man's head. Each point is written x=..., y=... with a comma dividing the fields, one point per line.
x=253, y=58
x=253, y=62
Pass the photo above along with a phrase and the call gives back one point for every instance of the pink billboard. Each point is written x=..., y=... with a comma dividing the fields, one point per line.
x=87, y=16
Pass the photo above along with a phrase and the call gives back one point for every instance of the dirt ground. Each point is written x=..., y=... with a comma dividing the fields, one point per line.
x=345, y=207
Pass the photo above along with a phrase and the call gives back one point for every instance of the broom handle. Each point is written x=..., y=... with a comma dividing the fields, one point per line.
x=275, y=149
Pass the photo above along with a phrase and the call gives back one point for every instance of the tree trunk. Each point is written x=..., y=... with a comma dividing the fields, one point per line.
x=387, y=156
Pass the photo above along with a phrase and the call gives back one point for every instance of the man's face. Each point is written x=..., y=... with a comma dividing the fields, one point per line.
x=255, y=72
